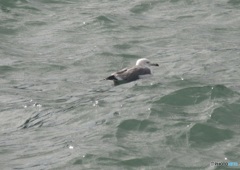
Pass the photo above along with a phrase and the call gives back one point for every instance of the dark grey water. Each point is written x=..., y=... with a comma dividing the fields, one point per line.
x=57, y=112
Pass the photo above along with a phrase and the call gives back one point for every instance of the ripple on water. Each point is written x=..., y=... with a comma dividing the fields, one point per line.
x=206, y=113
x=227, y=114
x=221, y=91
x=186, y=96
x=130, y=132
x=196, y=95
x=136, y=125
x=136, y=162
x=133, y=162
x=206, y=135
x=33, y=121
x=106, y=21
x=142, y=7
x=5, y=69
x=193, y=100
x=234, y=2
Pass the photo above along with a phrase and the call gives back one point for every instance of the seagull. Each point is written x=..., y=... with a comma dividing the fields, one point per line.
x=134, y=73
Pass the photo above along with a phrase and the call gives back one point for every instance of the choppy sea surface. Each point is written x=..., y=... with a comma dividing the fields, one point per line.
x=57, y=112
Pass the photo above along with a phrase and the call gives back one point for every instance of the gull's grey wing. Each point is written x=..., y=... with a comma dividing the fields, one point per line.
x=114, y=76
x=120, y=71
x=132, y=74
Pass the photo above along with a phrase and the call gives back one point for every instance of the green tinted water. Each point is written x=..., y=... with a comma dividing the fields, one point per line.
x=58, y=113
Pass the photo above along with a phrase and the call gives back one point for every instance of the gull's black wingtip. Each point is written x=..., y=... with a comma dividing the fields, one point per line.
x=112, y=77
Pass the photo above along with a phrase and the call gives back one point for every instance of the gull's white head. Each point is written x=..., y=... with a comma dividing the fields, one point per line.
x=145, y=63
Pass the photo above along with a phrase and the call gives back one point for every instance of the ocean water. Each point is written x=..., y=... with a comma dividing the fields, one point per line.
x=57, y=112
